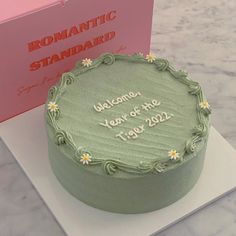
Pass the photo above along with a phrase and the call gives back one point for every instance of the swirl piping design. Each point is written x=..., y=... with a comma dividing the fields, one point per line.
x=109, y=167
x=108, y=58
x=161, y=64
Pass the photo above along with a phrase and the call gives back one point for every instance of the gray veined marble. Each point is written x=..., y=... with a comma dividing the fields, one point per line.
x=22, y=212
x=197, y=35
x=200, y=36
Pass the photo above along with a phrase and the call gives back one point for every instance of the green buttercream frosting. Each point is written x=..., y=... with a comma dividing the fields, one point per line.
x=127, y=117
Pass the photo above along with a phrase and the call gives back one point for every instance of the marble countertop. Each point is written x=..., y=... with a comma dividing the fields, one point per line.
x=196, y=35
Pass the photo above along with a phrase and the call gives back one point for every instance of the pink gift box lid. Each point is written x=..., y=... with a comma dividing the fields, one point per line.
x=26, y=21
x=12, y=9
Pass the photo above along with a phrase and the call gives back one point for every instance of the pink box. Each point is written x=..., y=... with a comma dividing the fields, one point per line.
x=39, y=40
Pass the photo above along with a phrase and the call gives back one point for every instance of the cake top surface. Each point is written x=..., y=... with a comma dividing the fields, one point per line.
x=134, y=114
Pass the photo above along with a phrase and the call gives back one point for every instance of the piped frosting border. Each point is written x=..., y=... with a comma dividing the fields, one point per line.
x=82, y=156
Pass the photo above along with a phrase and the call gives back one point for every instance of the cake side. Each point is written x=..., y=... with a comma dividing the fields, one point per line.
x=136, y=194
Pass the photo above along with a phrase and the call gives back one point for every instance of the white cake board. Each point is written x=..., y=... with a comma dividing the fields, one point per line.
x=25, y=136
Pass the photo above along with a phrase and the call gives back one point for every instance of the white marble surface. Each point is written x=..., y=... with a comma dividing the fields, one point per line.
x=197, y=35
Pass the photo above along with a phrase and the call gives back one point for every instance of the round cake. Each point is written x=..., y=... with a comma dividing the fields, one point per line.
x=127, y=134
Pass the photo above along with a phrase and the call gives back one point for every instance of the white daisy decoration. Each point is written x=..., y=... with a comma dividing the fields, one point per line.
x=52, y=106
x=150, y=57
x=87, y=62
x=173, y=154
x=204, y=104
x=85, y=158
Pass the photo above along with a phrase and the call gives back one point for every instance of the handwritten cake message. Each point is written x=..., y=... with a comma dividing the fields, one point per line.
x=136, y=111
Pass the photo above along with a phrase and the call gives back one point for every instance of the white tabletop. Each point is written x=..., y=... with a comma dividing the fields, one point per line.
x=198, y=36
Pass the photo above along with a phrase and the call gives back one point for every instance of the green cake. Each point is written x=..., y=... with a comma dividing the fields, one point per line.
x=127, y=134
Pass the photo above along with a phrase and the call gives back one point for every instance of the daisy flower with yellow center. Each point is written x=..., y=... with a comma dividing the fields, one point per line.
x=204, y=104
x=85, y=158
x=173, y=154
x=87, y=62
x=150, y=57
x=52, y=106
